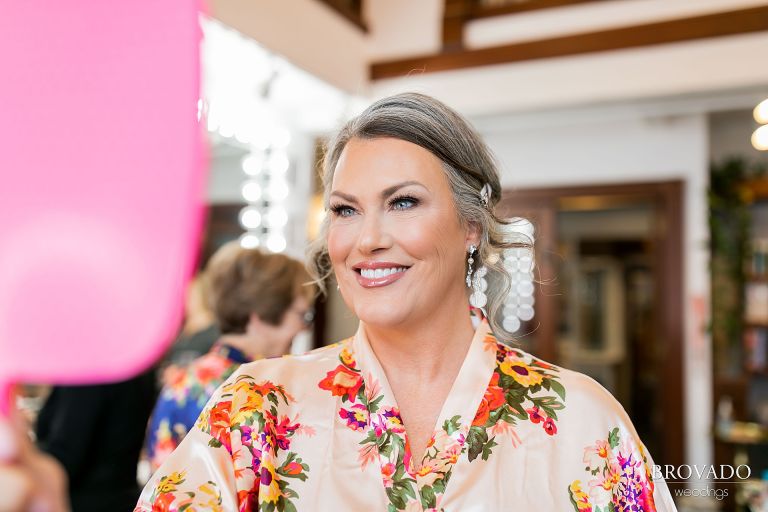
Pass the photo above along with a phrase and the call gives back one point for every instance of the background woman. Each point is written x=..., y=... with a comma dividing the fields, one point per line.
x=260, y=303
x=424, y=408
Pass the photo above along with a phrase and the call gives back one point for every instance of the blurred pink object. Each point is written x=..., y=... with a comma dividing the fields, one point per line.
x=101, y=196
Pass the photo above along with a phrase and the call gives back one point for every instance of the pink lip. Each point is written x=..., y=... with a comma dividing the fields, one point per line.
x=381, y=281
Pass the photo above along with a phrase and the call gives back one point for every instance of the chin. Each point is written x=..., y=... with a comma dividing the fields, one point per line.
x=382, y=314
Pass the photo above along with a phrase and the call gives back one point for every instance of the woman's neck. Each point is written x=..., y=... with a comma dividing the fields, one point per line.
x=424, y=350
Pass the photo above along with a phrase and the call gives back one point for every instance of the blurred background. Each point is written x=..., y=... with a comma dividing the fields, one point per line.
x=628, y=133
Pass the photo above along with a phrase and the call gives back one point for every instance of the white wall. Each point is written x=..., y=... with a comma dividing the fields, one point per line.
x=604, y=145
x=306, y=32
x=401, y=28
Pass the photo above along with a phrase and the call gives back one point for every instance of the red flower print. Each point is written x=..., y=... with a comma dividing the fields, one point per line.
x=534, y=415
x=219, y=424
x=492, y=400
x=482, y=414
x=550, y=427
x=248, y=500
x=264, y=388
x=342, y=381
x=276, y=433
x=163, y=502
x=293, y=468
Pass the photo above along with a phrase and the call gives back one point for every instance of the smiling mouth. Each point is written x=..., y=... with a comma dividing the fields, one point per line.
x=379, y=275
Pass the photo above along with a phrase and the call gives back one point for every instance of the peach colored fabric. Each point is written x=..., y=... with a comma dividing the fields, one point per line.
x=322, y=432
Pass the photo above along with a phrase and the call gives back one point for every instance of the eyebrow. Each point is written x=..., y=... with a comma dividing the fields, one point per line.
x=384, y=193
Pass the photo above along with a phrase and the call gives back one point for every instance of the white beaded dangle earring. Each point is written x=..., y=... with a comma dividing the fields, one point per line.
x=476, y=281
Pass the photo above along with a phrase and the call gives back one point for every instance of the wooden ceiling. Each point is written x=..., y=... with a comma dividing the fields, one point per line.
x=460, y=12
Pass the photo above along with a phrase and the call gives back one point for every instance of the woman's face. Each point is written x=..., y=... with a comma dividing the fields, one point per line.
x=275, y=340
x=395, y=240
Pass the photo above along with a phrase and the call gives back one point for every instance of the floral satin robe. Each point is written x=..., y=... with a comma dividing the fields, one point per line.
x=322, y=432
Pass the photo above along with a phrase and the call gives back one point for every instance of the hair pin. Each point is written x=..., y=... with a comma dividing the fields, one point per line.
x=485, y=194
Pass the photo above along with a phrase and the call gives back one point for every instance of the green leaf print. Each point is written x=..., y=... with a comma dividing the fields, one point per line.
x=613, y=438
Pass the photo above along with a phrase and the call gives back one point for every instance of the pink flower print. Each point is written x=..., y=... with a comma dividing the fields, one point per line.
x=367, y=454
x=427, y=475
x=392, y=420
x=387, y=472
x=550, y=427
x=597, y=454
x=535, y=415
x=372, y=388
x=356, y=417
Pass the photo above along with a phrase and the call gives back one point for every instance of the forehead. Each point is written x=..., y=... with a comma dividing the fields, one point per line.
x=373, y=164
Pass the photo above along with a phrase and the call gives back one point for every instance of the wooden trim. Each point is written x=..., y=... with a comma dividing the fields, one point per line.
x=454, y=17
x=664, y=32
x=667, y=198
x=484, y=12
x=354, y=15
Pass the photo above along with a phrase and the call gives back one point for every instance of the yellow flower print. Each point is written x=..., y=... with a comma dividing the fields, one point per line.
x=269, y=484
x=245, y=402
x=169, y=482
x=427, y=475
x=580, y=497
x=347, y=358
x=214, y=497
x=521, y=372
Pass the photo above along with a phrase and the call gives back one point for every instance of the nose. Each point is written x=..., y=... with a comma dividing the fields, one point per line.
x=374, y=235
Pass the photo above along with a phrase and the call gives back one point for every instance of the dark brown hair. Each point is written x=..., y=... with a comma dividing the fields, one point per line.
x=247, y=281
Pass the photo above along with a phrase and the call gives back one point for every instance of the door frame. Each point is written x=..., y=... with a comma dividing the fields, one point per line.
x=667, y=199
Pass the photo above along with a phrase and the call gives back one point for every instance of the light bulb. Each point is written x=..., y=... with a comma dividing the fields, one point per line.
x=761, y=112
x=278, y=190
x=249, y=241
x=251, y=191
x=276, y=242
x=250, y=218
x=760, y=138
x=253, y=163
x=525, y=312
x=278, y=163
x=511, y=324
x=525, y=288
x=277, y=218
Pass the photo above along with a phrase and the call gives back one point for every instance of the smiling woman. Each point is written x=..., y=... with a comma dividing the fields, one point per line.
x=426, y=408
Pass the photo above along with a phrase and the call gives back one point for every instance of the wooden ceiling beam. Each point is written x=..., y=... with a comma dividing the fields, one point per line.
x=664, y=32
x=478, y=11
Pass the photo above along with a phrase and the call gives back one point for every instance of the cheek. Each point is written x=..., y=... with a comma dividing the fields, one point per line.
x=340, y=242
x=431, y=236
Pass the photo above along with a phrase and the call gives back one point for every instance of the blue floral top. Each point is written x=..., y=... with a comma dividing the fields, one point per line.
x=183, y=397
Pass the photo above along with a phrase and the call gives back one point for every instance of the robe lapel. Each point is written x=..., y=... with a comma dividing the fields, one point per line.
x=422, y=489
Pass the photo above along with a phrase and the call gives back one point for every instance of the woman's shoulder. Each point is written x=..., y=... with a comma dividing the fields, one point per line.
x=318, y=358
x=298, y=374
x=583, y=396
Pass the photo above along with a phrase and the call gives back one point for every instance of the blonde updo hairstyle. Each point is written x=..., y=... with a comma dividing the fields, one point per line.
x=468, y=165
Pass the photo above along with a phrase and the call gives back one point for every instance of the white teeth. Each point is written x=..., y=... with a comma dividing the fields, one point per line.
x=378, y=273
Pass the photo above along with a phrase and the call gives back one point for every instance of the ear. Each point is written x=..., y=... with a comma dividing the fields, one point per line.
x=474, y=230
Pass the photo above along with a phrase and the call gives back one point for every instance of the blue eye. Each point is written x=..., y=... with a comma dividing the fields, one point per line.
x=343, y=210
x=403, y=203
